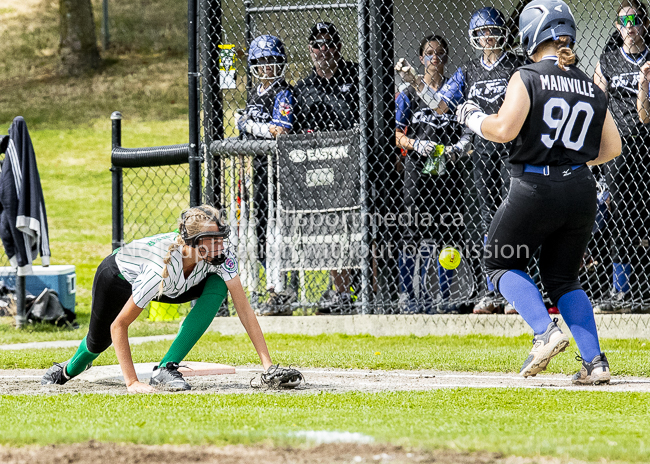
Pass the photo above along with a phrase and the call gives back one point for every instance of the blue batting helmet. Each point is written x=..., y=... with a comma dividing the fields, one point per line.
x=487, y=17
x=544, y=20
x=266, y=46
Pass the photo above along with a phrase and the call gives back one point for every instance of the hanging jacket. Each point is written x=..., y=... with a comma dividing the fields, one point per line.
x=23, y=223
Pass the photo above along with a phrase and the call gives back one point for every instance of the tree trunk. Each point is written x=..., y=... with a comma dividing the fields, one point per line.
x=78, y=47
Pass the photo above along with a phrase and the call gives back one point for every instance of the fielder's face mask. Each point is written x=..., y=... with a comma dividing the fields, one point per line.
x=211, y=244
x=268, y=68
x=496, y=33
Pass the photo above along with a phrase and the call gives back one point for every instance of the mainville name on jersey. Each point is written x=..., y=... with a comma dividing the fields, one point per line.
x=489, y=91
x=567, y=84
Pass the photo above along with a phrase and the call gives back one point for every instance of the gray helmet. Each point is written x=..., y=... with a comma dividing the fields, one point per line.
x=544, y=20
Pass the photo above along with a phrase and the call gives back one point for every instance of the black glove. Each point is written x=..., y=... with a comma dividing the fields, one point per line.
x=277, y=377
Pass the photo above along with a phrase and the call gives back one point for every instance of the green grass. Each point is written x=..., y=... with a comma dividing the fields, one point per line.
x=479, y=353
x=144, y=72
x=46, y=332
x=75, y=174
x=582, y=425
x=145, y=77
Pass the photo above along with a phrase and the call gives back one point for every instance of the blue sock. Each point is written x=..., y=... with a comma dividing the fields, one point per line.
x=578, y=314
x=490, y=286
x=445, y=279
x=521, y=292
x=621, y=277
x=406, y=265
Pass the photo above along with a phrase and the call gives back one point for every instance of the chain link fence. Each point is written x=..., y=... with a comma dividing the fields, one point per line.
x=319, y=154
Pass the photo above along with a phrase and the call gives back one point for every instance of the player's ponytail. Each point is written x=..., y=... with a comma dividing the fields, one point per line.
x=565, y=55
x=168, y=257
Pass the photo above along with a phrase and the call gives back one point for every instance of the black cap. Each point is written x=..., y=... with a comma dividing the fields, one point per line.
x=325, y=28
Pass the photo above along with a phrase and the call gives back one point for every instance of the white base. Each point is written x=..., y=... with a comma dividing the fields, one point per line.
x=144, y=371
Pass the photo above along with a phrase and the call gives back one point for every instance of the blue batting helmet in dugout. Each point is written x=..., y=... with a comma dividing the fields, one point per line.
x=487, y=17
x=544, y=20
x=271, y=48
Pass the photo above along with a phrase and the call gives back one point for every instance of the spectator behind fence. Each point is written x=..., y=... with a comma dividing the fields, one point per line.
x=483, y=80
x=617, y=74
x=418, y=130
x=328, y=99
x=268, y=113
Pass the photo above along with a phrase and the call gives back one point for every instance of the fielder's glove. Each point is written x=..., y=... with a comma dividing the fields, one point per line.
x=465, y=110
x=407, y=73
x=424, y=147
x=277, y=377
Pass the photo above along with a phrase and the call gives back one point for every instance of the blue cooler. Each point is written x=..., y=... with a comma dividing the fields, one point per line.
x=60, y=277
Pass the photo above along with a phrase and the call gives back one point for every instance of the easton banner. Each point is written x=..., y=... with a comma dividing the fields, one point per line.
x=318, y=171
x=318, y=212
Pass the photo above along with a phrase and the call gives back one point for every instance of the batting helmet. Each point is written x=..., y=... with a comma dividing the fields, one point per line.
x=270, y=50
x=544, y=20
x=487, y=17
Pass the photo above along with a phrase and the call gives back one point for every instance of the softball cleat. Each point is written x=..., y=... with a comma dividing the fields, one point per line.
x=169, y=378
x=55, y=375
x=595, y=372
x=545, y=347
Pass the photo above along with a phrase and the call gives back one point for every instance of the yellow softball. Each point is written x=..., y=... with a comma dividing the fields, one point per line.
x=449, y=258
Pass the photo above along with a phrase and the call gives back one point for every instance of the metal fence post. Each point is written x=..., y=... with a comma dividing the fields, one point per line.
x=248, y=37
x=364, y=116
x=194, y=157
x=382, y=116
x=118, y=205
x=213, y=125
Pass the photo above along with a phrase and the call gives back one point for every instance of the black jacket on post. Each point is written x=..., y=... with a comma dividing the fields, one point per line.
x=23, y=222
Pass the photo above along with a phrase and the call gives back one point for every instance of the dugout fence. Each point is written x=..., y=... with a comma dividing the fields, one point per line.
x=376, y=196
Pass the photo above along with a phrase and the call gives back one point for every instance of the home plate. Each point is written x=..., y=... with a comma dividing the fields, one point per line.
x=144, y=371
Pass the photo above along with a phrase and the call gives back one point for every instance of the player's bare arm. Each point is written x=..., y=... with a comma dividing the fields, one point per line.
x=643, y=97
x=610, y=142
x=599, y=79
x=120, y=337
x=248, y=320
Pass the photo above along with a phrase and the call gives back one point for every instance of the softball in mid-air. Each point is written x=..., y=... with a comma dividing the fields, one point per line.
x=449, y=258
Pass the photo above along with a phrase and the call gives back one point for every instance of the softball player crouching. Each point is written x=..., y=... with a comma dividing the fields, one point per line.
x=194, y=264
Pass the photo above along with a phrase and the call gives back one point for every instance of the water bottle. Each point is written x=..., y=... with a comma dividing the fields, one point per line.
x=436, y=164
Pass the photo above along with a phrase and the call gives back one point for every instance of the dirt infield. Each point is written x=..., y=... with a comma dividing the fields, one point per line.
x=27, y=381
x=94, y=452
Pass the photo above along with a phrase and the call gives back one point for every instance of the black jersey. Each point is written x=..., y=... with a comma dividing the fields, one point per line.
x=328, y=104
x=423, y=123
x=485, y=84
x=275, y=106
x=622, y=73
x=565, y=121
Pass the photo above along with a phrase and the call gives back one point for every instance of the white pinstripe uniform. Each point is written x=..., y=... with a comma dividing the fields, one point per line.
x=141, y=263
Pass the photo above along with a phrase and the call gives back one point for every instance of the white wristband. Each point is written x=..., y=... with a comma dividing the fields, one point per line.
x=474, y=122
x=430, y=97
x=259, y=129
